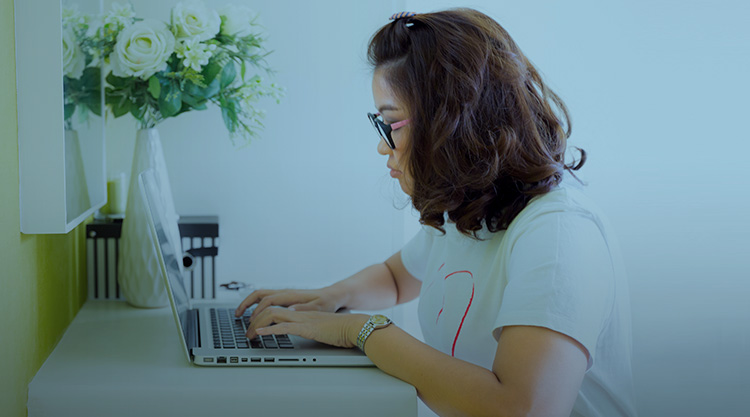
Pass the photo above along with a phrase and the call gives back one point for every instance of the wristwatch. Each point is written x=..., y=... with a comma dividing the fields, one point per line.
x=377, y=321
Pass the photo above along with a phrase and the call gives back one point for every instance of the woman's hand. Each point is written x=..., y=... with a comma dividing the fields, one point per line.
x=296, y=300
x=330, y=328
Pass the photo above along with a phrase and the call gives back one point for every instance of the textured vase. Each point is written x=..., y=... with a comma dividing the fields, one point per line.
x=139, y=272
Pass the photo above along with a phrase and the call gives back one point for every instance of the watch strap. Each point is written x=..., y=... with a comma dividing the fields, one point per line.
x=368, y=328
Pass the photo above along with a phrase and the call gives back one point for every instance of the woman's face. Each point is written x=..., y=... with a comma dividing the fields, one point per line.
x=392, y=110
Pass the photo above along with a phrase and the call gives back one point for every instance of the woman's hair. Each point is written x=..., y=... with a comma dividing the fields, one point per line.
x=484, y=134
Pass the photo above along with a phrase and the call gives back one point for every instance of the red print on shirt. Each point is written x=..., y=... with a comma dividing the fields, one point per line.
x=468, y=305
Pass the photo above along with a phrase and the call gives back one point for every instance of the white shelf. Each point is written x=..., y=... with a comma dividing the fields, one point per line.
x=41, y=136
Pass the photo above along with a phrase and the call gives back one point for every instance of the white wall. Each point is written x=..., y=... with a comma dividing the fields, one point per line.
x=310, y=201
x=657, y=92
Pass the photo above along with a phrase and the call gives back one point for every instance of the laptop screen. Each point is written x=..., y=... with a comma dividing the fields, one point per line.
x=168, y=241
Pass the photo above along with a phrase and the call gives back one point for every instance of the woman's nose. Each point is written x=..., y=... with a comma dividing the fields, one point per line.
x=383, y=148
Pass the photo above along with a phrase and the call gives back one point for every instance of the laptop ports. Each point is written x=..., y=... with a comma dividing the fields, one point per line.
x=234, y=359
x=221, y=359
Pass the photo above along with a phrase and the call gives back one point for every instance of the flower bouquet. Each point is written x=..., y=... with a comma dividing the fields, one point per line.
x=159, y=70
x=81, y=71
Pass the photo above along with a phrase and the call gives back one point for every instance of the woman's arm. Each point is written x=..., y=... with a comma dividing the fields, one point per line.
x=376, y=287
x=536, y=372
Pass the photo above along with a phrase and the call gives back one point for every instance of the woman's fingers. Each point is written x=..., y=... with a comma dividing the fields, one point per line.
x=267, y=318
x=300, y=300
x=330, y=328
x=266, y=298
x=250, y=300
x=310, y=306
x=287, y=328
x=282, y=299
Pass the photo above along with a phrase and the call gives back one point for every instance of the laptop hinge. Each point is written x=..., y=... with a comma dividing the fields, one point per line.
x=193, y=333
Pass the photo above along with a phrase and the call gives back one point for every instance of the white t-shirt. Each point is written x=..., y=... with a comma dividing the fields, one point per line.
x=556, y=266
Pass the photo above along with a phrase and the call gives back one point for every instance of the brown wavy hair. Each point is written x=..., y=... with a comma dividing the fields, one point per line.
x=486, y=133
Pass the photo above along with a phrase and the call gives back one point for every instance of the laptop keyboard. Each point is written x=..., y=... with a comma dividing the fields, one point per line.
x=229, y=333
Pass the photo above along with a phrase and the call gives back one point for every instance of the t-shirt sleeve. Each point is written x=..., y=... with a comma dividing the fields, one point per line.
x=414, y=254
x=560, y=276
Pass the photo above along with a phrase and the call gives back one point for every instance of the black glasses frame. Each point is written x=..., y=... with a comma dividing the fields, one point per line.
x=383, y=129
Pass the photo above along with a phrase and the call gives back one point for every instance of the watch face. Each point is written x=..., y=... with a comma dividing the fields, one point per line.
x=379, y=320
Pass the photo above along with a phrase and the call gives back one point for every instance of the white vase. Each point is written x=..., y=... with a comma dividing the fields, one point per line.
x=139, y=271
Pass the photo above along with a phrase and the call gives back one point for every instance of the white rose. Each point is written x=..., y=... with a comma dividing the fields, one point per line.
x=194, y=20
x=142, y=49
x=74, y=60
x=73, y=18
x=236, y=20
x=119, y=16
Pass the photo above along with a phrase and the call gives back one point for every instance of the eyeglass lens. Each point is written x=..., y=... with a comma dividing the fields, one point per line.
x=383, y=129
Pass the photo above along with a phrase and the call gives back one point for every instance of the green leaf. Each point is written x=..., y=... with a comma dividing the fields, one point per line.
x=154, y=87
x=192, y=101
x=243, y=70
x=119, y=104
x=228, y=74
x=170, y=100
x=185, y=108
x=229, y=114
x=117, y=82
x=137, y=112
x=92, y=77
x=93, y=102
x=193, y=90
x=228, y=117
x=69, y=109
x=120, y=107
x=211, y=90
x=210, y=71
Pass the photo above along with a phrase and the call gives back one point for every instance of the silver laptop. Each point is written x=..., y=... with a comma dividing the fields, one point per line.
x=209, y=332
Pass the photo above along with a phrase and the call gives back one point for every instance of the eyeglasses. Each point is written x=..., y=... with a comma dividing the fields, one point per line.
x=384, y=129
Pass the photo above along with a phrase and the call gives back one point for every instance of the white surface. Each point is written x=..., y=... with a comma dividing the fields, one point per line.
x=104, y=366
x=41, y=150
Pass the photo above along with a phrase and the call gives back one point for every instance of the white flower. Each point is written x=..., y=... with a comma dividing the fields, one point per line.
x=74, y=60
x=73, y=18
x=194, y=20
x=194, y=53
x=236, y=20
x=121, y=16
x=142, y=49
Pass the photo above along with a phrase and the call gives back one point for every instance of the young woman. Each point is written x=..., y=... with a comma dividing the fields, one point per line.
x=523, y=301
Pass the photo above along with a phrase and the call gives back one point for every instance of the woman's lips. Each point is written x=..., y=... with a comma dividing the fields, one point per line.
x=394, y=172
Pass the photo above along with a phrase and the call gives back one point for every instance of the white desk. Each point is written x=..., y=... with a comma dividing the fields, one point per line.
x=102, y=367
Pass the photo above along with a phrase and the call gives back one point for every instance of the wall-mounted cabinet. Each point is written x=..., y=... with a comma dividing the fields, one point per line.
x=60, y=126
